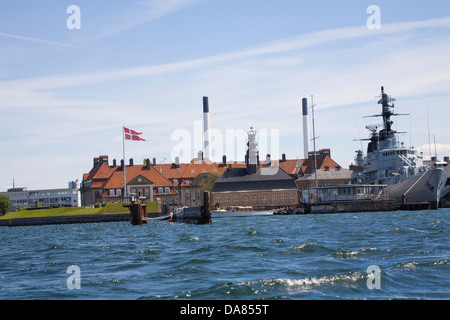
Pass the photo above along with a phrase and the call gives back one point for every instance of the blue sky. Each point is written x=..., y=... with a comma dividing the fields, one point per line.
x=65, y=94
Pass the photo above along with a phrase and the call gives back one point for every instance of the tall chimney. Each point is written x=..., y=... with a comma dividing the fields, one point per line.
x=305, y=128
x=206, y=129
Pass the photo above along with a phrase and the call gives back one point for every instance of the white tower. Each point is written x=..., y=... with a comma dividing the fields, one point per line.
x=252, y=161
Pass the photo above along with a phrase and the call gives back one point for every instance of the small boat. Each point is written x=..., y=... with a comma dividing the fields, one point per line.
x=239, y=211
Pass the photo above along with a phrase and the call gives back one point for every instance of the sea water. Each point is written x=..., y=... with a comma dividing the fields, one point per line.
x=372, y=255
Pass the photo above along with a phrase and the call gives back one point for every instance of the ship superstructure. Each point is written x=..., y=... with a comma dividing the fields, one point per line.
x=389, y=162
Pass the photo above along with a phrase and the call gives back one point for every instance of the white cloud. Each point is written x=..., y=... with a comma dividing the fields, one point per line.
x=148, y=11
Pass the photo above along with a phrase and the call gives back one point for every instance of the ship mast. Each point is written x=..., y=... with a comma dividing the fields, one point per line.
x=386, y=113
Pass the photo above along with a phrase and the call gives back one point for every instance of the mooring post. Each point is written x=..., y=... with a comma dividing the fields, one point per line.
x=206, y=212
x=144, y=213
x=136, y=214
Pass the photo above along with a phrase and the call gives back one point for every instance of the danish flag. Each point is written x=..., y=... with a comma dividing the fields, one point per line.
x=132, y=135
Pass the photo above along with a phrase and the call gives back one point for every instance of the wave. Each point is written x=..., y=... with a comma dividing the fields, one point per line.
x=310, y=246
x=340, y=279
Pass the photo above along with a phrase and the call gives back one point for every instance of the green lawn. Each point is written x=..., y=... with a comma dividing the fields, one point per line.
x=109, y=208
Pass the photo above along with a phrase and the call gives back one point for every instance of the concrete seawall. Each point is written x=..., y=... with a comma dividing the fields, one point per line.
x=353, y=206
x=93, y=218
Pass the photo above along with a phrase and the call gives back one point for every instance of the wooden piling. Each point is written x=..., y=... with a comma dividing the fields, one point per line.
x=136, y=214
x=206, y=210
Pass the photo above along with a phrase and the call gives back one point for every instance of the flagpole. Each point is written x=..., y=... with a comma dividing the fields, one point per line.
x=124, y=167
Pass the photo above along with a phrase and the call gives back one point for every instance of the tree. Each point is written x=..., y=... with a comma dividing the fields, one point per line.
x=5, y=204
x=205, y=181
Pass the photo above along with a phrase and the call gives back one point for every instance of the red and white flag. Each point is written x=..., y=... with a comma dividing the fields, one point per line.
x=132, y=135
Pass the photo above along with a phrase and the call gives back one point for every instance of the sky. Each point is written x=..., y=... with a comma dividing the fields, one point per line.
x=70, y=80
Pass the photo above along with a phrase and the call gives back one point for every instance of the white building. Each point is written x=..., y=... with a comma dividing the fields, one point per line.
x=53, y=198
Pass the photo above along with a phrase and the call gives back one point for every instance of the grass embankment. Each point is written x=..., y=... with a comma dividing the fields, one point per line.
x=75, y=211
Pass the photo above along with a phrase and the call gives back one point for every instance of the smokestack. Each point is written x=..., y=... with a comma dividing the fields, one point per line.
x=206, y=129
x=305, y=128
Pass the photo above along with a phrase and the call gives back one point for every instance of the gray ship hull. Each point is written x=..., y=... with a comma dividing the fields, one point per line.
x=425, y=187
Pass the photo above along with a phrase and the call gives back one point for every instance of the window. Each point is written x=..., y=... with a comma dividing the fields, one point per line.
x=227, y=200
x=264, y=199
x=255, y=199
x=197, y=193
x=274, y=198
x=111, y=193
x=147, y=192
x=175, y=182
x=292, y=198
x=160, y=191
x=119, y=192
x=187, y=192
x=218, y=200
x=245, y=200
x=167, y=190
x=283, y=198
x=235, y=200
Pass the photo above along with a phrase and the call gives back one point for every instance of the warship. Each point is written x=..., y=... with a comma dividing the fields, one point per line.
x=399, y=169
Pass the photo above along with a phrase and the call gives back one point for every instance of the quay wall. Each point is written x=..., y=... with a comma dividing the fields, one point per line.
x=353, y=206
x=93, y=218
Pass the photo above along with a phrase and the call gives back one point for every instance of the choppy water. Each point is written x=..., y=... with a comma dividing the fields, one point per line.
x=275, y=257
